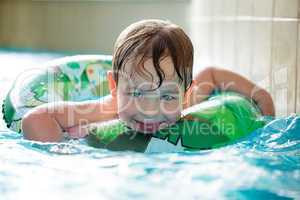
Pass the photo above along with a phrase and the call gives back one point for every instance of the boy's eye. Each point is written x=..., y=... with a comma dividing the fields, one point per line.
x=167, y=97
x=136, y=94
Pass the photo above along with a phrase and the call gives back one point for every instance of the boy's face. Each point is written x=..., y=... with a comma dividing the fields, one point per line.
x=143, y=106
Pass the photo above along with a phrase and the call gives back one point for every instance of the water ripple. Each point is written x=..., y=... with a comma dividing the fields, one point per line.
x=263, y=165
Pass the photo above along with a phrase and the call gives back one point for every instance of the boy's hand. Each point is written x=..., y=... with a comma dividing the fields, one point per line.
x=79, y=131
x=264, y=102
x=47, y=122
x=211, y=78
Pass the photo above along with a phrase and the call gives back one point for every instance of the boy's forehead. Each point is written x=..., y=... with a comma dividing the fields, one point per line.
x=148, y=86
x=139, y=74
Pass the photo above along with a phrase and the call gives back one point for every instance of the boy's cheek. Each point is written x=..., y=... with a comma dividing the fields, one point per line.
x=126, y=107
x=171, y=108
x=124, y=101
x=126, y=116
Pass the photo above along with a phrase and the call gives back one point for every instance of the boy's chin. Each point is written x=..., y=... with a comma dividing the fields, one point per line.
x=149, y=128
x=144, y=128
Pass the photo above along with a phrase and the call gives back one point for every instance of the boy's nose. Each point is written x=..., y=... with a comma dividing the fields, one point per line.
x=151, y=113
x=149, y=107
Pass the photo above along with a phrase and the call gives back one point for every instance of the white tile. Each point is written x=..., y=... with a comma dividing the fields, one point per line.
x=261, y=50
x=223, y=43
x=217, y=43
x=200, y=32
x=281, y=102
x=230, y=8
x=202, y=40
x=201, y=7
x=217, y=8
x=284, y=45
x=244, y=7
x=286, y=8
x=280, y=76
x=226, y=8
x=244, y=47
x=229, y=42
x=263, y=8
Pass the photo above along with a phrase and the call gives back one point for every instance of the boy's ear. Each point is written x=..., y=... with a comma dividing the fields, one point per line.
x=111, y=83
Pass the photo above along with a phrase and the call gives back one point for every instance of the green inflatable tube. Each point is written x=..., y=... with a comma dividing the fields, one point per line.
x=222, y=119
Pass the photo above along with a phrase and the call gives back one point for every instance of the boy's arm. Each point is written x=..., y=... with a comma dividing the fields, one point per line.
x=212, y=78
x=47, y=122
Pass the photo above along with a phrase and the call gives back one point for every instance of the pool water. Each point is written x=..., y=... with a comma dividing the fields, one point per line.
x=263, y=165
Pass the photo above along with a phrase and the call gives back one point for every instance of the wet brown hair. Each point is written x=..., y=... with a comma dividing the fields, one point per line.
x=155, y=39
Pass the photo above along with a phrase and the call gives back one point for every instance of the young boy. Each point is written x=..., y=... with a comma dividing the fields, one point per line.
x=151, y=83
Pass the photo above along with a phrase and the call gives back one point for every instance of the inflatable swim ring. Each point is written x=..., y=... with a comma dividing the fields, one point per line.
x=74, y=78
x=222, y=119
